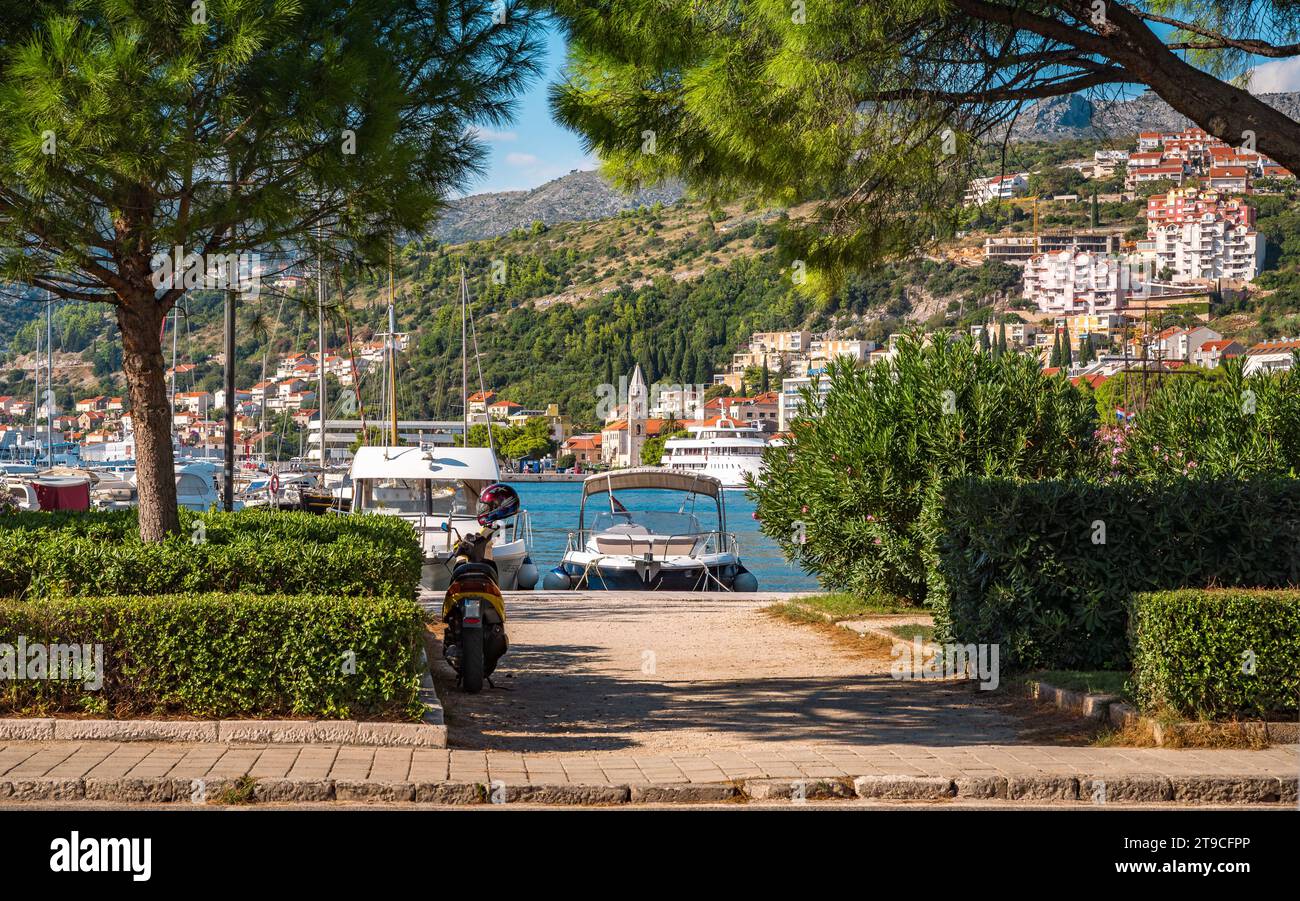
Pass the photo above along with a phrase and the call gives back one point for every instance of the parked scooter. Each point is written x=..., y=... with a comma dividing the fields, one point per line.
x=473, y=608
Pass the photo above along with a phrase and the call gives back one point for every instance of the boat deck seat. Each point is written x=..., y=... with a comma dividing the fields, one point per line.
x=638, y=545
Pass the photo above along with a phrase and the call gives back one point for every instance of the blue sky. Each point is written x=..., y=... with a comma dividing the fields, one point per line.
x=532, y=149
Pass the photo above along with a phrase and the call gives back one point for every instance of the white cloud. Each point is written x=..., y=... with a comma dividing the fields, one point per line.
x=521, y=159
x=1276, y=76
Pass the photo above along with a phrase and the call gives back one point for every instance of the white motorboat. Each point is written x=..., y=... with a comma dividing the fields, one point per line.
x=197, y=486
x=724, y=451
x=435, y=489
x=625, y=543
x=109, y=490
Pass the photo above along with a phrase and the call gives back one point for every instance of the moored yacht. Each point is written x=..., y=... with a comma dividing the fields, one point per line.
x=435, y=489
x=646, y=531
x=724, y=451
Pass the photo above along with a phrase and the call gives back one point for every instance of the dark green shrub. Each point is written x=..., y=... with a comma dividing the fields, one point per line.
x=862, y=462
x=1214, y=654
x=1224, y=425
x=219, y=655
x=1017, y=564
x=253, y=552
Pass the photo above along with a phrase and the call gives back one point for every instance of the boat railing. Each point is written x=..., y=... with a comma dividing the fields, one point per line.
x=704, y=543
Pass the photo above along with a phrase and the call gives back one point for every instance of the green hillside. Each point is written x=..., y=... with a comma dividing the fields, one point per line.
x=565, y=308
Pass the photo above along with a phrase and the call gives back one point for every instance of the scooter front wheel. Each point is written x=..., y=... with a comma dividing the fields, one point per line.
x=471, y=660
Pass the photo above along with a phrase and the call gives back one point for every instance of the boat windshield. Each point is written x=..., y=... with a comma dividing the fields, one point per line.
x=646, y=522
x=417, y=496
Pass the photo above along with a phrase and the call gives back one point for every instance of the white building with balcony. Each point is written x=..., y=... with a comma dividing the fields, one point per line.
x=1081, y=282
x=1210, y=247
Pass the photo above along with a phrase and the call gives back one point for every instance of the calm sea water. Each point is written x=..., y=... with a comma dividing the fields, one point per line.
x=553, y=508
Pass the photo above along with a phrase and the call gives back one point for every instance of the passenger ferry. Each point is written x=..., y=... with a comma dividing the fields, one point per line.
x=725, y=451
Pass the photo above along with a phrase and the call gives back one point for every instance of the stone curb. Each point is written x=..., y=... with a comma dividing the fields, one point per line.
x=910, y=788
x=800, y=789
x=1091, y=705
x=431, y=732
x=1133, y=788
x=428, y=734
x=1120, y=715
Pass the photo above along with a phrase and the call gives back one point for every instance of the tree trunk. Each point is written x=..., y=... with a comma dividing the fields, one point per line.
x=140, y=321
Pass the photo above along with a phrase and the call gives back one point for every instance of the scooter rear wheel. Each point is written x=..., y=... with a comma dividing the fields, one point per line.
x=471, y=661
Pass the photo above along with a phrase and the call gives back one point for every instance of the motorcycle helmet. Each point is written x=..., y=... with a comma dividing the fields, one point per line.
x=497, y=502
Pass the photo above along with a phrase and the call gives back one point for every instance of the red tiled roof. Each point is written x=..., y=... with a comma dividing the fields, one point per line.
x=1272, y=347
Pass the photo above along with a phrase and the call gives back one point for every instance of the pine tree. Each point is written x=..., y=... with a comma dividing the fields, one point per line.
x=747, y=94
x=138, y=132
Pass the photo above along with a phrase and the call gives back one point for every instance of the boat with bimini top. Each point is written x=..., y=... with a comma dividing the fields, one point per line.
x=621, y=544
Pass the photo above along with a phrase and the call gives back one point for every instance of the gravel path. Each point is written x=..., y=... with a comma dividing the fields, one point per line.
x=685, y=674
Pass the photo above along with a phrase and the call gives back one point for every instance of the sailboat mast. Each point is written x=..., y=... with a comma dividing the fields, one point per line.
x=49, y=375
x=320, y=344
x=392, y=348
x=464, y=359
x=392, y=369
x=36, y=401
x=175, y=312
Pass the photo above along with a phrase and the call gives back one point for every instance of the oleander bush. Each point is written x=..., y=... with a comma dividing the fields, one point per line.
x=1219, y=653
x=220, y=655
x=255, y=552
x=1224, y=424
x=1047, y=569
x=844, y=496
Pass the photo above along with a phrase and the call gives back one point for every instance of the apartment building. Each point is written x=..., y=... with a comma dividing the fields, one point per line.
x=1190, y=204
x=998, y=187
x=1068, y=283
x=1207, y=248
x=1183, y=344
x=769, y=348
x=827, y=349
x=1019, y=249
x=1212, y=353
x=1229, y=178
x=791, y=399
x=1103, y=329
x=1271, y=356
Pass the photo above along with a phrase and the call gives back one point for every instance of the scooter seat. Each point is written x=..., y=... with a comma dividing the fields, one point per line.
x=487, y=569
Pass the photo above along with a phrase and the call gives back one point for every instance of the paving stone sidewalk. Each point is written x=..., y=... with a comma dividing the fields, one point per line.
x=54, y=770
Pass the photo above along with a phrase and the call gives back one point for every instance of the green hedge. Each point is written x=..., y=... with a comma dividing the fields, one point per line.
x=215, y=655
x=1015, y=563
x=256, y=552
x=1194, y=651
x=845, y=495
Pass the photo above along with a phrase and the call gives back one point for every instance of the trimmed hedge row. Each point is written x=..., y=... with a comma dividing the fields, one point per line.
x=1212, y=654
x=215, y=655
x=255, y=552
x=1047, y=569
